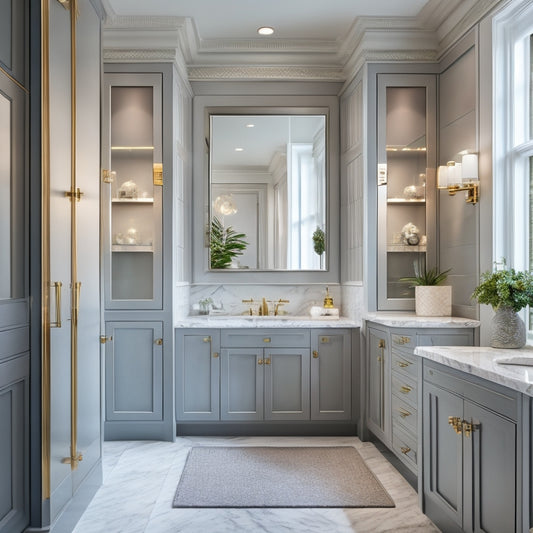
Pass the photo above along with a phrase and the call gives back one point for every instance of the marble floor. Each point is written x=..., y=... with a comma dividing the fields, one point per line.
x=140, y=480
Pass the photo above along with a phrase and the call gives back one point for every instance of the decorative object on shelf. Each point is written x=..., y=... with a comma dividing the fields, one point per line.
x=204, y=306
x=414, y=192
x=128, y=190
x=431, y=298
x=132, y=236
x=328, y=300
x=507, y=291
x=225, y=244
x=410, y=234
x=462, y=176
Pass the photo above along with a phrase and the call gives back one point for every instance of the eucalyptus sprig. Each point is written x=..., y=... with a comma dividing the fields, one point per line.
x=505, y=288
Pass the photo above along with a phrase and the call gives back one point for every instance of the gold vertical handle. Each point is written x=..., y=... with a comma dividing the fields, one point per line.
x=57, y=285
x=315, y=354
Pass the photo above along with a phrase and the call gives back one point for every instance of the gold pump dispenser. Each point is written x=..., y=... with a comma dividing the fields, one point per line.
x=328, y=300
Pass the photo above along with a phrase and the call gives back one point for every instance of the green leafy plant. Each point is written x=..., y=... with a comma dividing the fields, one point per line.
x=505, y=287
x=433, y=276
x=225, y=244
x=319, y=241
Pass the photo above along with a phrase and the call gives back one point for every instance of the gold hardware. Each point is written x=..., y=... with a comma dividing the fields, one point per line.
x=65, y=4
x=57, y=285
x=266, y=339
x=403, y=364
x=215, y=354
x=260, y=362
x=328, y=300
x=158, y=174
x=324, y=340
x=159, y=341
x=381, y=343
x=405, y=450
x=379, y=358
x=404, y=413
x=207, y=339
x=104, y=339
x=402, y=340
x=278, y=304
x=469, y=428
x=73, y=461
x=267, y=361
x=405, y=389
x=74, y=193
x=472, y=188
x=315, y=354
x=263, y=308
x=108, y=176
x=456, y=423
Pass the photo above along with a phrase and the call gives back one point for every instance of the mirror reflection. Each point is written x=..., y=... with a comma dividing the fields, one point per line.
x=267, y=192
x=5, y=197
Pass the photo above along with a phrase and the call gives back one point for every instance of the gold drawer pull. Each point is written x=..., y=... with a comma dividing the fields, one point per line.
x=267, y=361
x=324, y=340
x=215, y=354
x=403, y=364
x=266, y=339
x=207, y=339
x=315, y=354
x=404, y=413
x=405, y=389
x=381, y=343
x=405, y=450
x=402, y=340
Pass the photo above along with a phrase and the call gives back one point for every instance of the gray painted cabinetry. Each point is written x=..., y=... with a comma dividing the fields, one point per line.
x=393, y=411
x=268, y=375
x=471, y=452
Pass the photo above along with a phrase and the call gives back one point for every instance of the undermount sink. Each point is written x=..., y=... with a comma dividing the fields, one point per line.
x=522, y=360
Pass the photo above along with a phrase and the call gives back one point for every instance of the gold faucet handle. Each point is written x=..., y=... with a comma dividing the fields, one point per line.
x=250, y=301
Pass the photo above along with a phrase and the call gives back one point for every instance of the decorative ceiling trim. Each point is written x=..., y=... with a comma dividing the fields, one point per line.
x=241, y=73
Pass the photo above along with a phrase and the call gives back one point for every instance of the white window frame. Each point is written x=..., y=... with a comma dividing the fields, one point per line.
x=513, y=144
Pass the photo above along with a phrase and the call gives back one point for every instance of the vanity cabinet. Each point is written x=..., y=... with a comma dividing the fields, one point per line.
x=471, y=452
x=393, y=411
x=269, y=375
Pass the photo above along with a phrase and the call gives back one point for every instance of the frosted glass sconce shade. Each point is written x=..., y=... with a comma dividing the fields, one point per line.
x=470, y=168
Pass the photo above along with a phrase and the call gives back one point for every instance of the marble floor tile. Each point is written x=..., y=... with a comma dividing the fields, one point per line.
x=140, y=480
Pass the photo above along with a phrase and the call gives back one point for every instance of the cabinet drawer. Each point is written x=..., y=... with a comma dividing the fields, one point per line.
x=404, y=414
x=275, y=338
x=405, y=363
x=403, y=340
x=404, y=388
x=405, y=446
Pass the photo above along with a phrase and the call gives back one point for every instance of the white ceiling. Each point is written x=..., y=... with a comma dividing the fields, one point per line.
x=292, y=19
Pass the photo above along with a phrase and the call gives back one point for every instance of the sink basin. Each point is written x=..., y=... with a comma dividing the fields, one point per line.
x=522, y=360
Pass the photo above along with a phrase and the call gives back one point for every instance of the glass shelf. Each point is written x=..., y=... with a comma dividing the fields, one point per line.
x=132, y=200
x=406, y=201
x=132, y=248
x=406, y=248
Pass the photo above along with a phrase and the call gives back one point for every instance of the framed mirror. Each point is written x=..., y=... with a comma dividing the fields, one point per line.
x=266, y=189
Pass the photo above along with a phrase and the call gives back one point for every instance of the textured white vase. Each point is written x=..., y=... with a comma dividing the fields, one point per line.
x=433, y=300
x=508, y=329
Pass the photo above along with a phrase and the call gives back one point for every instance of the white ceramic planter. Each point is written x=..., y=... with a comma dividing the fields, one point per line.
x=433, y=300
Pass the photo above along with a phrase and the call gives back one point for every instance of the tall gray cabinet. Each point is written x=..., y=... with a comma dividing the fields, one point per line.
x=136, y=220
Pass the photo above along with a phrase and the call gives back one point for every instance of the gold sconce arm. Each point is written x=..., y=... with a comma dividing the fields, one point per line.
x=471, y=188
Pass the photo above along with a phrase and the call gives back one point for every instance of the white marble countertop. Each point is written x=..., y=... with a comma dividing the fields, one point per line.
x=482, y=361
x=284, y=321
x=410, y=320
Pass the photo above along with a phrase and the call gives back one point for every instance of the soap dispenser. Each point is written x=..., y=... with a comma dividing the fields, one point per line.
x=328, y=300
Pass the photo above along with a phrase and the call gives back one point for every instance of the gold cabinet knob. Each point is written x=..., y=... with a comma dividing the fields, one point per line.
x=405, y=450
x=159, y=341
x=215, y=354
x=260, y=362
x=315, y=354
x=267, y=361
x=207, y=339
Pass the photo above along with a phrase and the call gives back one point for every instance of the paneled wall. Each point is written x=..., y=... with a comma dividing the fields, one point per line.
x=458, y=222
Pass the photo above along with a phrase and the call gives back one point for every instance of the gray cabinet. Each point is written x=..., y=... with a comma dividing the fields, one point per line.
x=197, y=374
x=331, y=375
x=471, y=455
x=393, y=411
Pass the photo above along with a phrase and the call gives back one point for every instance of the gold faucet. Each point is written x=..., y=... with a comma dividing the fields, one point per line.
x=250, y=302
x=263, y=310
x=278, y=304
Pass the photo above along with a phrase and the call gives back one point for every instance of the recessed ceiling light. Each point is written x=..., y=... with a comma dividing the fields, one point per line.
x=250, y=125
x=265, y=30
x=239, y=149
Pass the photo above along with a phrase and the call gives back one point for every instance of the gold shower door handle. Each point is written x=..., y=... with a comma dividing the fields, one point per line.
x=57, y=286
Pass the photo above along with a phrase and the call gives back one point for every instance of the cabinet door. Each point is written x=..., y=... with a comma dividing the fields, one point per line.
x=241, y=386
x=286, y=383
x=490, y=471
x=331, y=375
x=442, y=458
x=134, y=371
x=197, y=375
x=132, y=192
x=377, y=353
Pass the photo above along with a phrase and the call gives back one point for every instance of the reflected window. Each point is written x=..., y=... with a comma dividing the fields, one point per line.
x=5, y=197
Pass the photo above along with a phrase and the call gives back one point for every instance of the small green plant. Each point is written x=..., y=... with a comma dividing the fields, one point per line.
x=319, y=241
x=225, y=244
x=505, y=287
x=433, y=276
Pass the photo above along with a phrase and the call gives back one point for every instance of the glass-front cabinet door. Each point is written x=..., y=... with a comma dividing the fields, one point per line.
x=132, y=190
x=406, y=184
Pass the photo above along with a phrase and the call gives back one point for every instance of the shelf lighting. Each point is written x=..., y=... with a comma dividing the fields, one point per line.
x=463, y=176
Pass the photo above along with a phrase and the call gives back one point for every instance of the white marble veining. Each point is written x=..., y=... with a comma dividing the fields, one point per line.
x=353, y=302
x=140, y=480
x=482, y=361
x=410, y=320
x=284, y=321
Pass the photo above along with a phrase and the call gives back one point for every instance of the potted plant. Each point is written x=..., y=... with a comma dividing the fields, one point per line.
x=431, y=298
x=225, y=244
x=507, y=291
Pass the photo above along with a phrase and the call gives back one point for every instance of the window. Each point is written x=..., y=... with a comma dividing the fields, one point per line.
x=513, y=139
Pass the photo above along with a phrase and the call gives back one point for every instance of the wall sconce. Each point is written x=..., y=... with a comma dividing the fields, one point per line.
x=456, y=177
